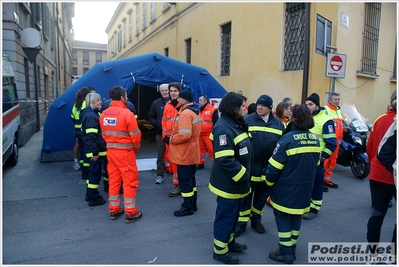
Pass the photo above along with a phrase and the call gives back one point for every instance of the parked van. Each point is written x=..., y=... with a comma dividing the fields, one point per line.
x=11, y=119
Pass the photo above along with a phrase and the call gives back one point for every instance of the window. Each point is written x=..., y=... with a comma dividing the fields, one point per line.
x=225, y=49
x=38, y=15
x=130, y=27
x=119, y=40
x=323, y=35
x=294, y=36
x=85, y=58
x=372, y=15
x=74, y=71
x=74, y=57
x=46, y=21
x=144, y=15
x=99, y=57
x=138, y=20
x=153, y=11
x=188, y=50
x=85, y=70
x=124, y=34
x=166, y=51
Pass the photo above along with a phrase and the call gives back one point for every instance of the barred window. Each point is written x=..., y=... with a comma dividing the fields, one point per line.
x=372, y=14
x=85, y=58
x=188, y=50
x=294, y=36
x=225, y=49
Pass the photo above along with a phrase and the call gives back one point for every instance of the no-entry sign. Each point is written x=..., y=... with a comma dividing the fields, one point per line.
x=336, y=65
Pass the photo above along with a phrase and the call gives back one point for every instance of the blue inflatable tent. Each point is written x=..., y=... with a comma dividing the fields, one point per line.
x=149, y=70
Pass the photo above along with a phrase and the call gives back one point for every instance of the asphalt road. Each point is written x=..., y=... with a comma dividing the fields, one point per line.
x=47, y=221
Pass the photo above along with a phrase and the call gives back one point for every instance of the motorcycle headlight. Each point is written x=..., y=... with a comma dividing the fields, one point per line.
x=357, y=140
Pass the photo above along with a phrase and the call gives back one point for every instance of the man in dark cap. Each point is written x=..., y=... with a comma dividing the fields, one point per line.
x=266, y=129
x=324, y=130
x=185, y=150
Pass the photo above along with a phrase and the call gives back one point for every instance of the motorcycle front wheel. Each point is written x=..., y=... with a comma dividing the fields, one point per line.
x=360, y=168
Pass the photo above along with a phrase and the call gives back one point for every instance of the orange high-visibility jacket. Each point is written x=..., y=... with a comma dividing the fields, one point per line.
x=336, y=115
x=184, y=142
x=119, y=127
x=168, y=119
x=207, y=123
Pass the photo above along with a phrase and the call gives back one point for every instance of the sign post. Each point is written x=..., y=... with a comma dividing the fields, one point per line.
x=336, y=65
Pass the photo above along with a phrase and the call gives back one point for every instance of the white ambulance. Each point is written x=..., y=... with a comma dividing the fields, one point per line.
x=11, y=119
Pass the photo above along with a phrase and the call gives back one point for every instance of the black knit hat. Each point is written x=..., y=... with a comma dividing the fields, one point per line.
x=187, y=95
x=315, y=98
x=265, y=100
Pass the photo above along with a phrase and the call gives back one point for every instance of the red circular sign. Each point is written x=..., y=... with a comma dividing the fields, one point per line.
x=336, y=63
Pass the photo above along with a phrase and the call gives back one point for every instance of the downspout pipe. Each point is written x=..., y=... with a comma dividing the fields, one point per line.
x=305, y=78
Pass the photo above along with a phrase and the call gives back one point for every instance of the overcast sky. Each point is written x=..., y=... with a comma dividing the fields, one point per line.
x=91, y=19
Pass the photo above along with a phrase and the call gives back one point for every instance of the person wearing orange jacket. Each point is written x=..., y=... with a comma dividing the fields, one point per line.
x=184, y=150
x=168, y=119
x=334, y=112
x=122, y=135
x=209, y=116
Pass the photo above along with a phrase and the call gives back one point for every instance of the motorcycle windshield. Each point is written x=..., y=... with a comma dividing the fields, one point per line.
x=353, y=118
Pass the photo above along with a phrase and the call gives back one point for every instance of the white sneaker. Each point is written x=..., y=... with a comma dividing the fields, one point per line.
x=76, y=166
x=159, y=180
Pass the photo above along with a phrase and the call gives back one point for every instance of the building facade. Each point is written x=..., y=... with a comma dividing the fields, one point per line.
x=280, y=49
x=41, y=78
x=85, y=55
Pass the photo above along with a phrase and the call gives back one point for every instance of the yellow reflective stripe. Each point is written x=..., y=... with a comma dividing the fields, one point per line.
x=265, y=129
x=92, y=186
x=78, y=126
x=328, y=151
x=117, y=133
x=240, y=174
x=211, y=136
x=257, y=178
x=314, y=206
x=289, y=210
x=317, y=202
x=286, y=243
x=91, y=130
x=189, y=194
x=301, y=150
x=85, y=164
x=224, y=153
x=277, y=164
x=294, y=241
x=185, y=131
x=295, y=232
x=254, y=210
x=103, y=153
x=117, y=145
x=225, y=194
x=222, y=251
x=243, y=219
x=89, y=155
x=219, y=243
x=245, y=213
x=284, y=234
x=240, y=138
x=269, y=183
x=333, y=135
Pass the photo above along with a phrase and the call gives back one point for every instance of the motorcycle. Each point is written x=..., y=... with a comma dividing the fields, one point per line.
x=352, y=150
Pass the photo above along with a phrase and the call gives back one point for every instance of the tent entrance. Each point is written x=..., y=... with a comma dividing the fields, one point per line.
x=142, y=98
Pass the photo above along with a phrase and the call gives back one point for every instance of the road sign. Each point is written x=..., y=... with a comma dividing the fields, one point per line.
x=336, y=65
